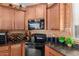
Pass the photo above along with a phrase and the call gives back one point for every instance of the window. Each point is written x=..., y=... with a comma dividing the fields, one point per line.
x=75, y=9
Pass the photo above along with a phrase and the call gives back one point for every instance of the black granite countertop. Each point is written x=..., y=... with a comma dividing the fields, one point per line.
x=12, y=43
x=65, y=50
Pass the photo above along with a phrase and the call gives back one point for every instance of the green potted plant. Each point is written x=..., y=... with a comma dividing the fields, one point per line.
x=69, y=41
x=62, y=40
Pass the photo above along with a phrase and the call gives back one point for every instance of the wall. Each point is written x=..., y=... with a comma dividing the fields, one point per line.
x=75, y=17
x=49, y=33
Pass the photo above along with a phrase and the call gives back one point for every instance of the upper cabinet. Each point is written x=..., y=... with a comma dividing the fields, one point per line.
x=68, y=21
x=41, y=11
x=55, y=17
x=31, y=12
x=1, y=18
x=19, y=20
x=35, y=12
x=5, y=21
x=11, y=19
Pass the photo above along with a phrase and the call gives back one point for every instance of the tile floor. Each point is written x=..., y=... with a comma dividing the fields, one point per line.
x=31, y=51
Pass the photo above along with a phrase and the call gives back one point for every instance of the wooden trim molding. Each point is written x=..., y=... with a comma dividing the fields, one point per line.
x=62, y=16
x=50, y=5
x=14, y=7
x=36, y=4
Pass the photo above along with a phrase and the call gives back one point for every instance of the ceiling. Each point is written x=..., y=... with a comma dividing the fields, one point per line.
x=25, y=4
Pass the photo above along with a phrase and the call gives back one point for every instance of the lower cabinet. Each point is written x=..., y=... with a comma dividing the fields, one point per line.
x=51, y=52
x=16, y=50
x=4, y=53
x=47, y=51
x=12, y=50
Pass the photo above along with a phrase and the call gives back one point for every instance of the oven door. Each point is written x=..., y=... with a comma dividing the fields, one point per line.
x=40, y=38
x=2, y=39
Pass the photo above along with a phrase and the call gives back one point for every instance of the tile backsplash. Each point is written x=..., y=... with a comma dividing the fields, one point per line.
x=49, y=33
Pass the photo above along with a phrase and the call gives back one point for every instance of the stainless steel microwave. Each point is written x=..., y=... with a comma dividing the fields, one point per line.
x=36, y=24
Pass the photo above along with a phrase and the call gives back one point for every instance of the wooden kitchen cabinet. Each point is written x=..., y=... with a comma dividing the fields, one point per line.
x=41, y=11
x=51, y=52
x=55, y=17
x=23, y=49
x=4, y=51
x=19, y=20
x=68, y=16
x=4, y=48
x=4, y=54
x=35, y=12
x=0, y=17
x=68, y=21
x=13, y=50
x=12, y=18
x=47, y=51
x=5, y=21
x=16, y=50
x=30, y=12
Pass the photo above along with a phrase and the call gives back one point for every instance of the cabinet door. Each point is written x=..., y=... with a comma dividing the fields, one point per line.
x=68, y=15
x=4, y=51
x=16, y=50
x=4, y=54
x=68, y=21
x=54, y=17
x=19, y=20
x=5, y=19
x=11, y=15
x=41, y=11
x=1, y=17
x=31, y=11
x=30, y=14
x=47, y=51
x=23, y=49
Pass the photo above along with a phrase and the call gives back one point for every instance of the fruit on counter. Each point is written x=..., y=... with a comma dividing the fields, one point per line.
x=61, y=39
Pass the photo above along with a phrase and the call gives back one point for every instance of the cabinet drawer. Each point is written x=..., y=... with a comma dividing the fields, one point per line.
x=3, y=48
x=47, y=51
x=4, y=53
